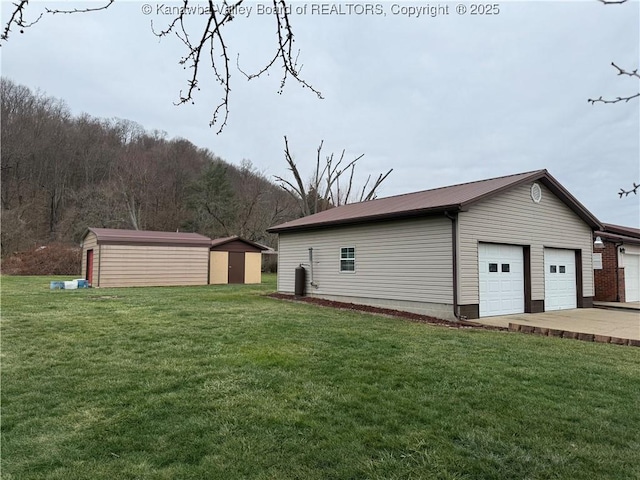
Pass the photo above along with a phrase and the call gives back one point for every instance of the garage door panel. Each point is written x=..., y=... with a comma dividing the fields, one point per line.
x=494, y=286
x=560, y=290
x=632, y=277
x=501, y=279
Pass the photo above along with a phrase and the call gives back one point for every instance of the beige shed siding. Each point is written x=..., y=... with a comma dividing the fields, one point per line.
x=90, y=242
x=219, y=268
x=407, y=260
x=513, y=218
x=252, y=266
x=136, y=265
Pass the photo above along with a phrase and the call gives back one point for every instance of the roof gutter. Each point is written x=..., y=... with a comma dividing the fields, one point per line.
x=454, y=259
x=614, y=237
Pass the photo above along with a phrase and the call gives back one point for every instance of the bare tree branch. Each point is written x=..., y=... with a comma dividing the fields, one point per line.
x=616, y=100
x=621, y=71
x=626, y=193
x=334, y=178
x=319, y=175
x=210, y=39
x=291, y=190
x=626, y=99
x=80, y=10
x=284, y=52
x=353, y=169
x=372, y=193
x=312, y=200
x=17, y=19
x=298, y=192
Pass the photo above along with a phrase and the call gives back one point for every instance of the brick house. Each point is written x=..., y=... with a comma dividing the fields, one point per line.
x=617, y=264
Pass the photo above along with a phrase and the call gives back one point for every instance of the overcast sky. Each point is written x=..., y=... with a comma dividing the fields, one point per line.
x=440, y=99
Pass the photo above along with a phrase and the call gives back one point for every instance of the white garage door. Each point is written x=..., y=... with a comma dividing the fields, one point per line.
x=501, y=277
x=559, y=279
x=632, y=277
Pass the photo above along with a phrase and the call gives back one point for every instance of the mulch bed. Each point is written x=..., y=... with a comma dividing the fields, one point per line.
x=413, y=317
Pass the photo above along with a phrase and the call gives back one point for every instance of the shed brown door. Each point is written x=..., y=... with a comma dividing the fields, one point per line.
x=89, y=273
x=236, y=267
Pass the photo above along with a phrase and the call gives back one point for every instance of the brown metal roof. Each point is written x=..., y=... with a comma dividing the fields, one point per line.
x=621, y=230
x=216, y=242
x=119, y=237
x=618, y=233
x=438, y=200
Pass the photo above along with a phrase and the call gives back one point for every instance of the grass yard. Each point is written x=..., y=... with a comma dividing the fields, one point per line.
x=223, y=382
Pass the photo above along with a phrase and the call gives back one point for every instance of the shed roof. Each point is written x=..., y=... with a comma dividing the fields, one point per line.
x=217, y=242
x=451, y=199
x=116, y=236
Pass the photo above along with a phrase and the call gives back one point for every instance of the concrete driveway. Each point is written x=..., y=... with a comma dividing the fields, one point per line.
x=596, y=321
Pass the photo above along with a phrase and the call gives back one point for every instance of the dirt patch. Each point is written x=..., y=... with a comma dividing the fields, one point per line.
x=413, y=317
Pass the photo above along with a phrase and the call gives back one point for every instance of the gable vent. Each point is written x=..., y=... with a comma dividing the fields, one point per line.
x=536, y=193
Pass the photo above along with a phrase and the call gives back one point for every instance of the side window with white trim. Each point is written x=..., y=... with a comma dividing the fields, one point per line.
x=348, y=259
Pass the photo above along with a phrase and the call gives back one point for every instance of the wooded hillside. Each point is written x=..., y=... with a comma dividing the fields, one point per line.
x=63, y=173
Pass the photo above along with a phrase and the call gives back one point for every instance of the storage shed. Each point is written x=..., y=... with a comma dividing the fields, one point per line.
x=126, y=258
x=617, y=263
x=514, y=244
x=235, y=260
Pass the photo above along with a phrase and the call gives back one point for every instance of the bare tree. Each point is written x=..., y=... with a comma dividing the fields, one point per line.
x=251, y=191
x=259, y=203
x=132, y=178
x=325, y=190
x=208, y=41
x=60, y=174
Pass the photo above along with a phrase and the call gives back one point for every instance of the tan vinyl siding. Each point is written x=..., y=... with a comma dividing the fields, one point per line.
x=252, y=266
x=90, y=242
x=134, y=265
x=408, y=260
x=219, y=268
x=513, y=218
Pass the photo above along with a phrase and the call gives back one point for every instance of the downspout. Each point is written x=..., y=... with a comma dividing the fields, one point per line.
x=310, y=265
x=616, y=246
x=454, y=259
x=312, y=283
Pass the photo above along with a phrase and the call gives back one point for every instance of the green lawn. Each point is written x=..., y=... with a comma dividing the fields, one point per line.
x=223, y=382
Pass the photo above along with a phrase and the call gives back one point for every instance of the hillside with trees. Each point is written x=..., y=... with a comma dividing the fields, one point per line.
x=63, y=173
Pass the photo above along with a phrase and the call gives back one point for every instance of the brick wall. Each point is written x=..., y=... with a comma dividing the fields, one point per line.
x=605, y=279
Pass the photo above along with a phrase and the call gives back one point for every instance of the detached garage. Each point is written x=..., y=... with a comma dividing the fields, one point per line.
x=515, y=244
x=235, y=260
x=127, y=258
